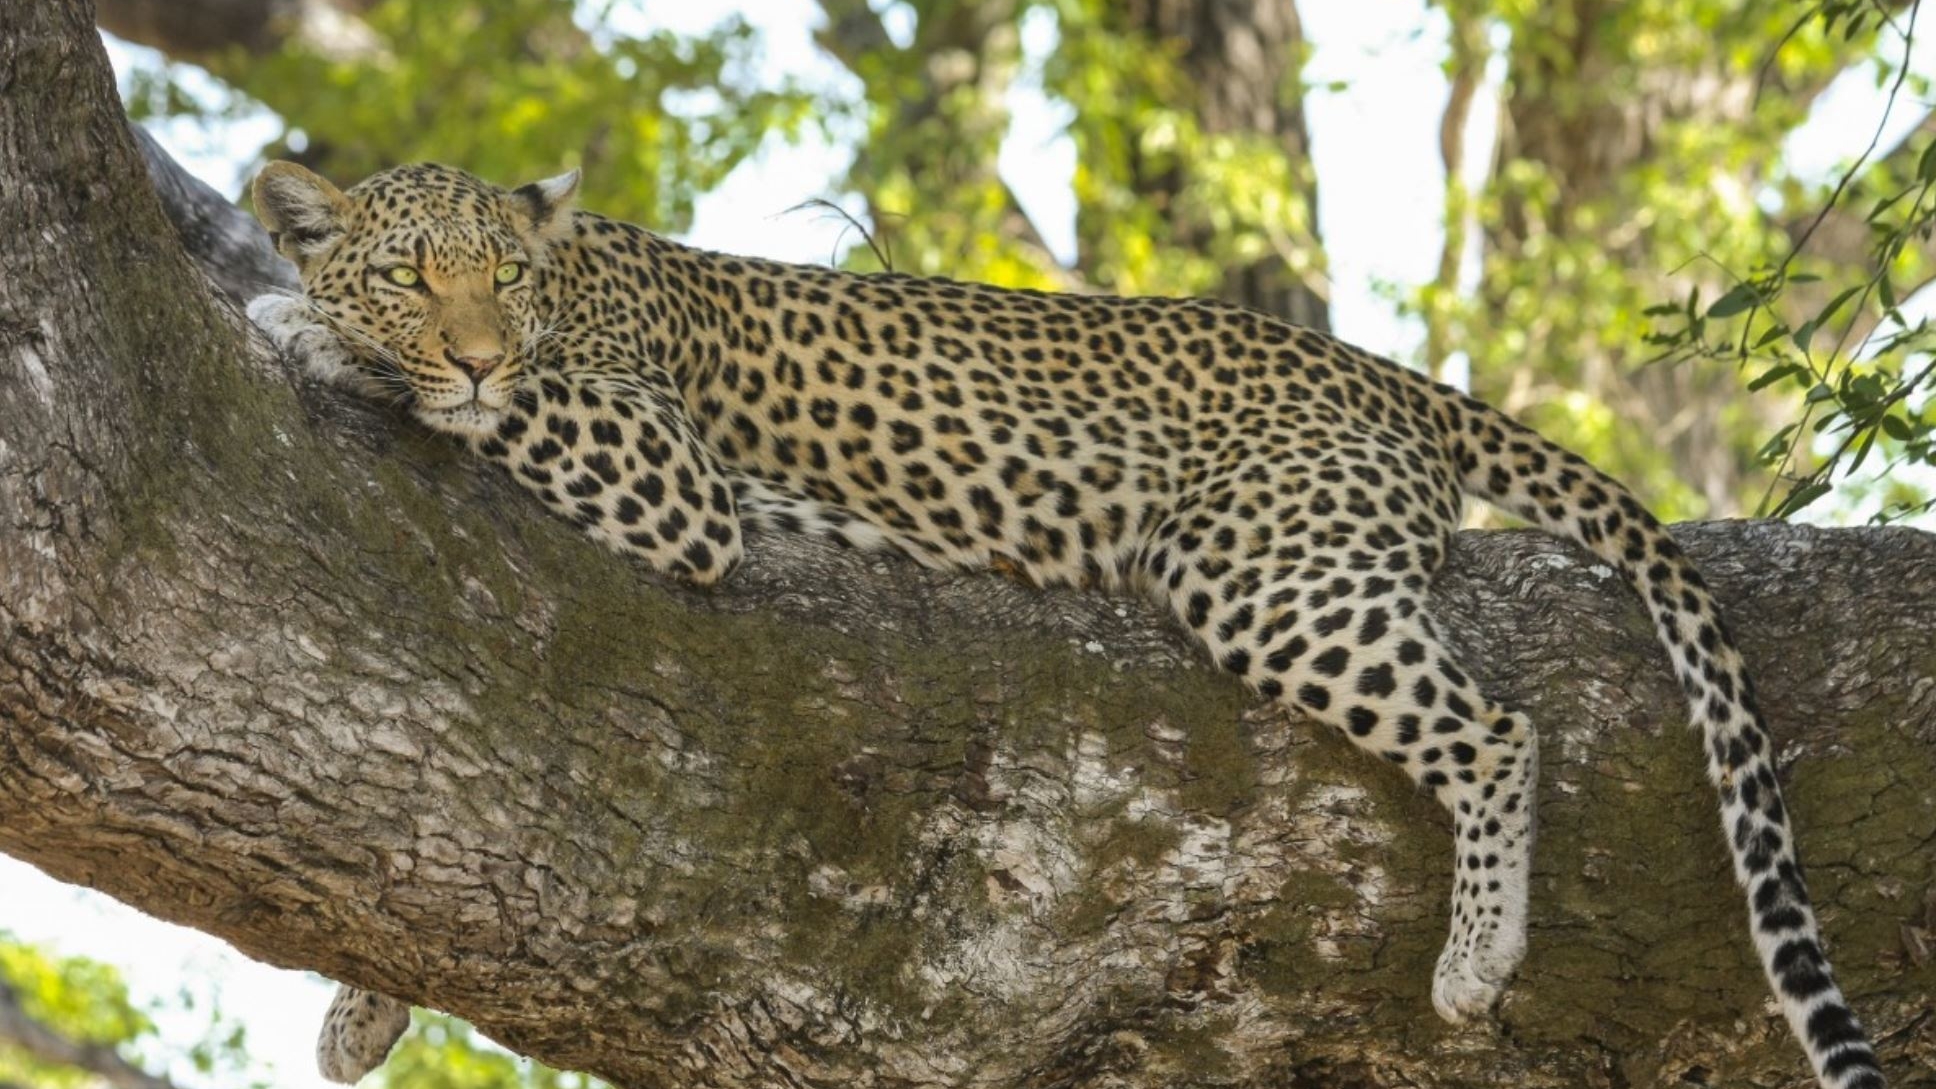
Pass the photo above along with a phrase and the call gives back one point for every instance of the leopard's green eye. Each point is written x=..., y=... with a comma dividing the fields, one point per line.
x=510, y=272
x=403, y=276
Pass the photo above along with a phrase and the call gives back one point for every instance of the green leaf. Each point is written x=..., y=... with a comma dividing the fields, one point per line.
x=1862, y=450
x=1885, y=204
x=1738, y=298
x=1807, y=332
x=1926, y=165
x=1776, y=374
x=1800, y=498
x=1776, y=448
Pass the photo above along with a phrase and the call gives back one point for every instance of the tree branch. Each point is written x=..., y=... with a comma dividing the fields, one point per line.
x=279, y=667
x=1843, y=240
x=31, y=1036
x=200, y=31
x=227, y=243
x=853, y=33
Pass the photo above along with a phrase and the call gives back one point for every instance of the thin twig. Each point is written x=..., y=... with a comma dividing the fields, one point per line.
x=853, y=224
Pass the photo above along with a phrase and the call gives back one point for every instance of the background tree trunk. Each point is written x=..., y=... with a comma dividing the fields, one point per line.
x=1584, y=146
x=1593, y=94
x=1239, y=62
x=280, y=668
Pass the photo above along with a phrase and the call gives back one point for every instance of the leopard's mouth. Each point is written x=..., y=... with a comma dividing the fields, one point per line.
x=493, y=394
x=473, y=419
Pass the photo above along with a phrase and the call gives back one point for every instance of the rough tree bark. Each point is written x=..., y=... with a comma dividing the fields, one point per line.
x=279, y=668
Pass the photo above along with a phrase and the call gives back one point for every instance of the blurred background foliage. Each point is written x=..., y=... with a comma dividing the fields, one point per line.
x=443, y=1052
x=69, y=1022
x=509, y=88
x=1639, y=162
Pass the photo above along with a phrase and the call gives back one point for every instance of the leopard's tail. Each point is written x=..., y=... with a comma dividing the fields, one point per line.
x=1515, y=468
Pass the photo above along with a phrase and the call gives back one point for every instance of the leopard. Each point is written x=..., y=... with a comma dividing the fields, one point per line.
x=1285, y=496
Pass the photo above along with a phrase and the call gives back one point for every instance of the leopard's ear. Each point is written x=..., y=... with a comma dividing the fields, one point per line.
x=302, y=210
x=546, y=206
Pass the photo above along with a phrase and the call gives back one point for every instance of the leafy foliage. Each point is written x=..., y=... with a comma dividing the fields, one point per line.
x=82, y=999
x=929, y=127
x=1836, y=337
x=1228, y=199
x=442, y=1052
x=1644, y=155
x=514, y=89
x=88, y=1002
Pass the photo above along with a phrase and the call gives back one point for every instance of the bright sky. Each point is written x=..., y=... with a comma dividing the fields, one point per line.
x=1374, y=144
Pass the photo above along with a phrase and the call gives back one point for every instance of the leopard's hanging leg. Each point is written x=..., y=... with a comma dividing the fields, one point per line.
x=358, y=1032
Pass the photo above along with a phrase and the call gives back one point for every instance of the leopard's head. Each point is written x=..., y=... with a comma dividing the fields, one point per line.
x=431, y=274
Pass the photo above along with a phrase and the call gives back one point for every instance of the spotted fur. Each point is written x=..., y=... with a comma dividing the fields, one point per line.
x=359, y=1029
x=1287, y=495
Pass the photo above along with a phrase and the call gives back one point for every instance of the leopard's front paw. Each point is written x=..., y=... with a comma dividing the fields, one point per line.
x=358, y=1032
x=292, y=326
x=1461, y=987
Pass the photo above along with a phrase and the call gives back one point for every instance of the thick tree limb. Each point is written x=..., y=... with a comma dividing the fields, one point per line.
x=277, y=667
x=228, y=244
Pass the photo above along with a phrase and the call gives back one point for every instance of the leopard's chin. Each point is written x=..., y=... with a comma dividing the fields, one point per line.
x=471, y=420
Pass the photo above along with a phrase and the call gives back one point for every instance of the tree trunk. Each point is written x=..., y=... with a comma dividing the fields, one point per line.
x=1240, y=61
x=1600, y=95
x=280, y=668
x=944, y=135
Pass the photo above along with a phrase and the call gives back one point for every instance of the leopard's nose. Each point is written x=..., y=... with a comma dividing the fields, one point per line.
x=477, y=366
